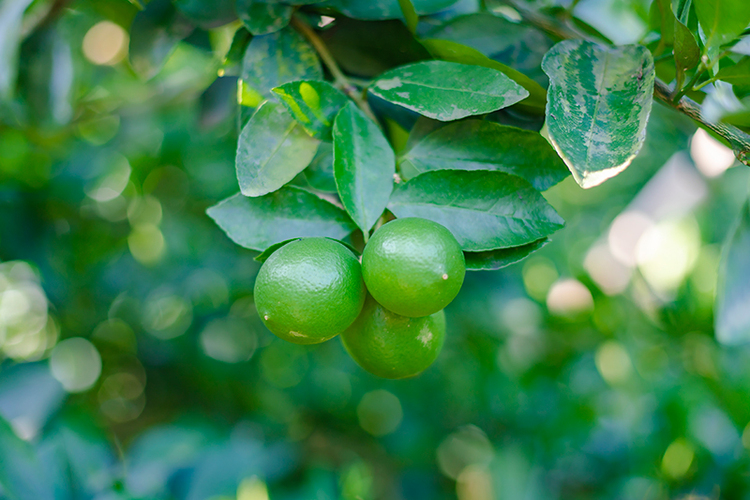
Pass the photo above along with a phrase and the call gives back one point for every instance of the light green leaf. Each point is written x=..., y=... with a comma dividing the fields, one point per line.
x=262, y=18
x=363, y=166
x=598, y=105
x=319, y=173
x=447, y=50
x=275, y=59
x=21, y=474
x=272, y=149
x=448, y=91
x=384, y=9
x=290, y=212
x=732, y=314
x=11, y=14
x=721, y=21
x=484, y=210
x=410, y=15
x=497, y=259
x=314, y=105
x=483, y=145
x=737, y=75
x=687, y=54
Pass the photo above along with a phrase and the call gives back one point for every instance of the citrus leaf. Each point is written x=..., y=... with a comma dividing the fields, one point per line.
x=314, y=105
x=154, y=34
x=687, y=54
x=363, y=166
x=721, y=21
x=262, y=18
x=275, y=59
x=272, y=149
x=483, y=145
x=21, y=474
x=290, y=212
x=410, y=15
x=447, y=50
x=732, y=315
x=319, y=173
x=384, y=9
x=492, y=260
x=265, y=254
x=598, y=105
x=448, y=91
x=738, y=75
x=208, y=13
x=484, y=210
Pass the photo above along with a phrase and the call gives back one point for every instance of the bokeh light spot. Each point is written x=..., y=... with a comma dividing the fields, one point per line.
x=467, y=446
x=710, y=156
x=231, y=340
x=569, y=297
x=146, y=244
x=106, y=43
x=677, y=459
x=167, y=316
x=76, y=364
x=379, y=412
x=613, y=362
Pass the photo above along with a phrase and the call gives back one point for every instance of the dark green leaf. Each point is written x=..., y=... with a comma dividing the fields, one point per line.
x=275, y=59
x=363, y=166
x=455, y=52
x=721, y=21
x=497, y=259
x=21, y=475
x=262, y=18
x=272, y=149
x=410, y=15
x=484, y=210
x=155, y=32
x=687, y=54
x=208, y=13
x=265, y=254
x=314, y=105
x=732, y=315
x=11, y=13
x=448, y=91
x=319, y=173
x=384, y=9
x=599, y=102
x=483, y=145
x=661, y=19
x=290, y=212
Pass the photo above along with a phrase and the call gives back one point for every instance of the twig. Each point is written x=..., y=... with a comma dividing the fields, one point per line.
x=340, y=79
x=737, y=139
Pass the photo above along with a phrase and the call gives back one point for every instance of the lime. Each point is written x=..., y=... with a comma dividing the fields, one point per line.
x=309, y=290
x=414, y=267
x=392, y=346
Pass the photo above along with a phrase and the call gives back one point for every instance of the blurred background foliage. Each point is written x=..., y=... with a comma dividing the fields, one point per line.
x=133, y=362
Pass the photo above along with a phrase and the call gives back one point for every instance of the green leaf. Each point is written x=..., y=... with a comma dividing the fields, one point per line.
x=363, y=166
x=497, y=259
x=483, y=145
x=290, y=212
x=155, y=32
x=319, y=173
x=272, y=149
x=721, y=21
x=448, y=91
x=410, y=15
x=11, y=14
x=598, y=106
x=21, y=474
x=687, y=54
x=484, y=210
x=208, y=13
x=455, y=52
x=737, y=75
x=265, y=254
x=262, y=18
x=732, y=315
x=275, y=59
x=661, y=19
x=314, y=105
x=384, y=9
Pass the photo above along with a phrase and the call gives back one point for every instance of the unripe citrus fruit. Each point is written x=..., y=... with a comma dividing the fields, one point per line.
x=309, y=290
x=393, y=346
x=414, y=267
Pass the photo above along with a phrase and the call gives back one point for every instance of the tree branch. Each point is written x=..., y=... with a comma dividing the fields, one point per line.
x=738, y=140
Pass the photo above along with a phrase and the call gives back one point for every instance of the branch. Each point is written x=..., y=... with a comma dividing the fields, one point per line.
x=340, y=79
x=738, y=140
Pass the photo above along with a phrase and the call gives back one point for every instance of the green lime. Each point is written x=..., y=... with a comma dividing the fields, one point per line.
x=414, y=267
x=309, y=290
x=392, y=346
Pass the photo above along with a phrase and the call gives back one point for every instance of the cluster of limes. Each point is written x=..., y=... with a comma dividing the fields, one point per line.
x=312, y=289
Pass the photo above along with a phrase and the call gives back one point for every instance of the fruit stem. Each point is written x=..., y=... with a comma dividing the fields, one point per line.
x=340, y=79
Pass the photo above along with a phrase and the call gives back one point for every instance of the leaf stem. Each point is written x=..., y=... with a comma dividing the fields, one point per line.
x=340, y=79
x=738, y=140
